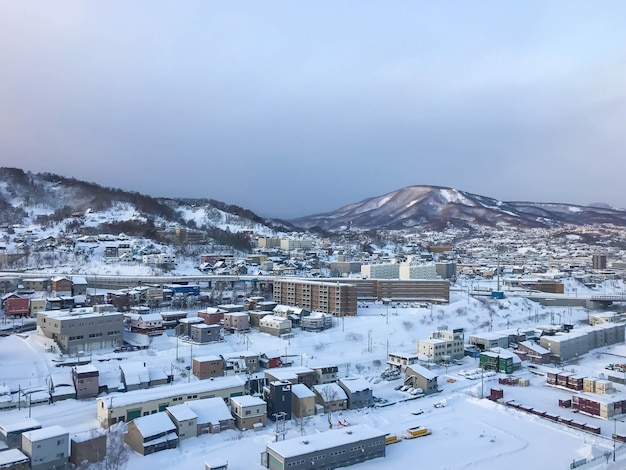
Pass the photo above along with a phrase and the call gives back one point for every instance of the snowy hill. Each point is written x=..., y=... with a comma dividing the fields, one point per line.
x=439, y=207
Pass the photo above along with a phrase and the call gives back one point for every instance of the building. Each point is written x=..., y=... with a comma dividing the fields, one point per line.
x=14, y=459
x=185, y=324
x=203, y=333
x=88, y=447
x=336, y=298
x=331, y=396
x=213, y=415
x=293, y=374
x=131, y=405
x=82, y=329
x=152, y=433
x=331, y=449
x=277, y=395
x=249, y=412
x=302, y=401
x=499, y=360
x=442, y=346
x=276, y=326
x=412, y=270
x=381, y=271
x=47, y=448
x=145, y=323
x=316, y=321
x=401, y=360
x=17, y=307
x=60, y=286
x=236, y=321
x=85, y=380
x=325, y=374
x=529, y=351
x=405, y=290
x=251, y=360
x=417, y=376
x=205, y=367
x=598, y=261
x=12, y=432
x=359, y=392
x=185, y=420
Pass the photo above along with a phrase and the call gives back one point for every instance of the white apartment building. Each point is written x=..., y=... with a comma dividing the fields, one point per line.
x=442, y=345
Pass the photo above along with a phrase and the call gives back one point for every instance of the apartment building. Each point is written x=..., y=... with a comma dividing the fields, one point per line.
x=442, y=345
x=82, y=329
x=336, y=298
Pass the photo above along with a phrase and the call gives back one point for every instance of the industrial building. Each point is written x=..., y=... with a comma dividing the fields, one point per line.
x=330, y=449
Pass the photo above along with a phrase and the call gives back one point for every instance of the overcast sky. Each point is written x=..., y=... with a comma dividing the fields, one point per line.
x=290, y=108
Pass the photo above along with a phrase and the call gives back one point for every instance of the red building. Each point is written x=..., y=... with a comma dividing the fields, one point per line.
x=16, y=307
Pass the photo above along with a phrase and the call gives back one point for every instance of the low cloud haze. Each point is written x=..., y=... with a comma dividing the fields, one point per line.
x=291, y=108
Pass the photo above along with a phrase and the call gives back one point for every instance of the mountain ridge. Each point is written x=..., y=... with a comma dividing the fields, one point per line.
x=438, y=207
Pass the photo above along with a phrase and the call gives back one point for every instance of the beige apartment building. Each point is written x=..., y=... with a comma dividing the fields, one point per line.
x=335, y=298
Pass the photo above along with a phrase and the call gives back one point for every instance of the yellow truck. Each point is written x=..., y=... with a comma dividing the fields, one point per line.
x=417, y=431
x=392, y=439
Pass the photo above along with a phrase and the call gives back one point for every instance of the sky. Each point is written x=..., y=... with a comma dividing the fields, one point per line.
x=291, y=108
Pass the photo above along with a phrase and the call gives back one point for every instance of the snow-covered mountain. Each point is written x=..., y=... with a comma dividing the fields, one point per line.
x=46, y=199
x=439, y=207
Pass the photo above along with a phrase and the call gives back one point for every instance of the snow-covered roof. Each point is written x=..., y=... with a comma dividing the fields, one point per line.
x=356, y=385
x=182, y=412
x=423, y=371
x=28, y=423
x=302, y=391
x=210, y=410
x=11, y=456
x=247, y=400
x=330, y=390
x=324, y=440
x=535, y=347
x=156, y=423
x=45, y=433
x=201, y=386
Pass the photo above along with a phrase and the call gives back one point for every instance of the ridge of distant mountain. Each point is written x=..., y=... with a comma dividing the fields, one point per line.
x=46, y=199
x=438, y=207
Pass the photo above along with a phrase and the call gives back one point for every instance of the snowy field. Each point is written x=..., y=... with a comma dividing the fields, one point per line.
x=467, y=433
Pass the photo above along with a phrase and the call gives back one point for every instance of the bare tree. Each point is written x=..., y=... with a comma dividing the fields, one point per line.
x=118, y=452
x=329, y=395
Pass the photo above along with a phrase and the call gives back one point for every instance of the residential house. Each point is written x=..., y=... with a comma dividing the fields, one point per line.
x=60, y=286
x=277, y=395
x=302, y=401
x=249, y=412
x=274, y=325
x=14, y=459
x=331, y=396
x=185, y=420
x=203, y=333
x=529, y=351
x=12, y=432
x=417, y=376
x=48, y=448
x=152, y=433
x=85, y=378
x=325, y=374
x=359, y=392
x=17, y=307
x=213, y=415
x=134, y=376
x=236, y=321
x=145, y=323
x=205, y=367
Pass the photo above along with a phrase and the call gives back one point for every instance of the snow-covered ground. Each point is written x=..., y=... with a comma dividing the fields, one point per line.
x=467, y=433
